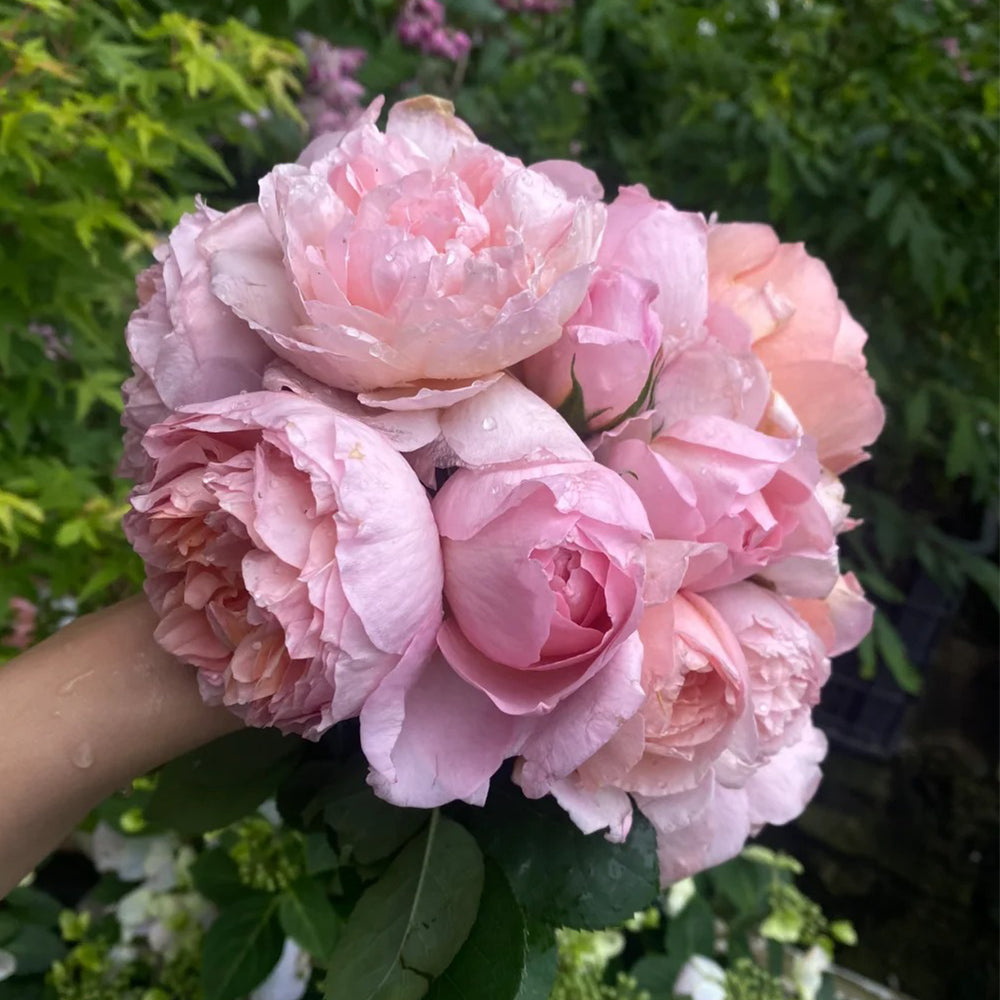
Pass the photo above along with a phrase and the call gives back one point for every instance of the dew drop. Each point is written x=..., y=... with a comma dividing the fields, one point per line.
x=489, y=424
x=390, y=257
x=82, y=756
x=256, y=645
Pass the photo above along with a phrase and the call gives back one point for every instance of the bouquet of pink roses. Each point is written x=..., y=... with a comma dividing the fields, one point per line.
x=450, y=445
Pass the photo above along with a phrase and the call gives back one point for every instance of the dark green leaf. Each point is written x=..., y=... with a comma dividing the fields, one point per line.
x=217, y=878
x=410, y=924
x=241, y=947
x=9, y=926
x=490, y=965
x=656, y=974
x=541, y=962
x=35, y=949
x=742, y=884
x=894, y=656
x=308, y=917
x=32, y=906
x=559, y=875
x=370, y=826
x=692, y=931
x=320, y=856
x=217, y=784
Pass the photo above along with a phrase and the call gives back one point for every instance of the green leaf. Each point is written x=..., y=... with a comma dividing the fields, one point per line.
x=309, y=918
x=541, y=963
x=656, y=974
x=296, y=8
x=490, y=965
x=219, y=783
x=559, y=875
x=894, y=656
x=410, y=924
x=35, y=949
x=691, y=932
x=369, y=825
x=217, y=878
x=241, y=947
x=31, y=906
x=742, y=884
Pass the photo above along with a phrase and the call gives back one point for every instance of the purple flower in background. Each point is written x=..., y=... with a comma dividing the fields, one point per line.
x=54, y=346
x=333, y=98
x=421, y=25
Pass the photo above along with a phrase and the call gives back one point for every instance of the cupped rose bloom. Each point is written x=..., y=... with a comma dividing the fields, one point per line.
x=803, y=333
x=291, y=555
x=750, y=496
x=786, y=660
x=646, y=304
x=696, y=706
x=186, y=345
x=544, y=576
x=418, y=257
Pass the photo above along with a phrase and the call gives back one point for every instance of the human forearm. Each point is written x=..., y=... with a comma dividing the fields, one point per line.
x=82, y=714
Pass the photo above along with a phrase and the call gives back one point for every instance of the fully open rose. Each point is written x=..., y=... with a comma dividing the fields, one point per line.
x=409, y=257
x=277, y=558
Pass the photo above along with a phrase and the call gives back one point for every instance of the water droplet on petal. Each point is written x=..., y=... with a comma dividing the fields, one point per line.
x=82, y=756
x=256, y=645
x=489, y=424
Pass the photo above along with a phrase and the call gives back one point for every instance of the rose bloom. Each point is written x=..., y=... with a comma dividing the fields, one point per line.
x=291, y=556
x=803, y=333
x=538, y=654
x=750, y=496
x=418, y=258
x=186, y=346
x=646, y=303
x=696, y=706
x=786, y=660
x=723, y=743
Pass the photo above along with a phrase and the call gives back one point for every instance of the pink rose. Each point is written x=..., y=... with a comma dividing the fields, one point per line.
x=186, y=346
x=748, y=495
x=543, y=581
x=696, y=707
x=608, y=347
x=420, y=257
x=786, y=661
x=702, y=828
x=841, y=619
x=810, y=345
x=291, y=555
x=649, y=293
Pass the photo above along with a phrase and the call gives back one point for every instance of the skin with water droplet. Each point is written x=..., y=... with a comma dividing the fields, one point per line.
x=82, y=756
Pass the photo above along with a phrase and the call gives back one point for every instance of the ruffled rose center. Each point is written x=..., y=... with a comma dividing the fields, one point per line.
x=580, y=617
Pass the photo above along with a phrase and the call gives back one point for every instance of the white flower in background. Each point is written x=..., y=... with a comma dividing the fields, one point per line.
x=807, y=971
x=701, y=979
x=8, y=965
x=150, y=860
x=289, y=978
x=679, y=895
x=169, y=921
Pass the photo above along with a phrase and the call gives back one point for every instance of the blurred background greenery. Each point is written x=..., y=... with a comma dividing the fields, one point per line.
x=866, y=128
